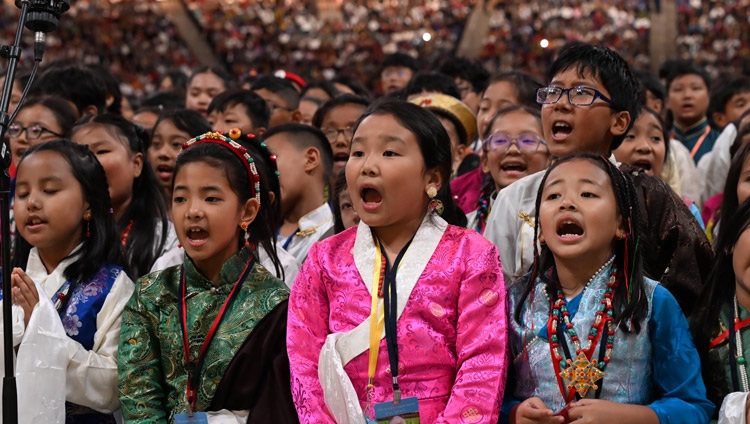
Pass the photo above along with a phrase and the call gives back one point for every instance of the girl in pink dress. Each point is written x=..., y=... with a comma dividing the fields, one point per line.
x=403, y=290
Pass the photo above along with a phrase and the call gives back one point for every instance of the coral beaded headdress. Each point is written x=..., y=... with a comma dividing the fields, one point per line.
x=237, y=149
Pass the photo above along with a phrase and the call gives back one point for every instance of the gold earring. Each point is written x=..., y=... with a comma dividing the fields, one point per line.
x=243, y=225
x=542, y=241
x=87, y=218
x=431, y=192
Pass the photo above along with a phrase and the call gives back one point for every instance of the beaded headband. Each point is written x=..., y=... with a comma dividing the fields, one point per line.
x=234, y=147
x=236, y=133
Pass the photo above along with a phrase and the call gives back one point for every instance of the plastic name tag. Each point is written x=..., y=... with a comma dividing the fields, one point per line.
x=197, y=418
x=406, y=412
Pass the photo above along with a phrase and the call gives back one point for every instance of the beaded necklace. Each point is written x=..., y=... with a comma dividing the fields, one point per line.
x=581, y=372
x=738, y=354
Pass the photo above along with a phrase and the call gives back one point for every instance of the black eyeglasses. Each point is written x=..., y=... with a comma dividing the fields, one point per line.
x=33, y=132
x=500, y=141
x=577, y=96
x=332, y=133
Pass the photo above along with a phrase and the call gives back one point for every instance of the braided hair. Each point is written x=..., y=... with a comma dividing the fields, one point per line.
x=630, y=303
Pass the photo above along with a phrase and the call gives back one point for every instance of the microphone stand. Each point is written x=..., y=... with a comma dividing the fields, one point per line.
x=10, y=395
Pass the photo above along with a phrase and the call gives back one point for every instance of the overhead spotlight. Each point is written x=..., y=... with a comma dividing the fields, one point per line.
x=544, y=43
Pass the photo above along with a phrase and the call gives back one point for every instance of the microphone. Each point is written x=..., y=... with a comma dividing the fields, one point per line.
x=40, y=39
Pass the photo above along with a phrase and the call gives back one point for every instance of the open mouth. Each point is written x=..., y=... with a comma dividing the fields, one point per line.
x=197, y=236
x=34, y=221
x=561, y=129
x=643, y=164
x=513, y=167
x=164, y=171
x=371, y=196
x=569, y=229
x=340, y=159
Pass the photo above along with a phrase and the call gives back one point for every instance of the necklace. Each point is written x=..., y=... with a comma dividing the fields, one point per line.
x=581, y=372
x=740, y=354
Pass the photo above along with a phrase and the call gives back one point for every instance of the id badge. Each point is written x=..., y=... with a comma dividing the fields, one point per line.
x=197, y=418
x=406, y=412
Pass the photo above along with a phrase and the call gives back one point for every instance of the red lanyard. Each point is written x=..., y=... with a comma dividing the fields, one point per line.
x=195, y=372
x=723, y=336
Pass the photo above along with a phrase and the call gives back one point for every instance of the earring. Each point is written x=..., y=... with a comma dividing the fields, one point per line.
x=87, y=218
x=542, y=241
x=620, y=235
x=247, y=234
x=435, y=206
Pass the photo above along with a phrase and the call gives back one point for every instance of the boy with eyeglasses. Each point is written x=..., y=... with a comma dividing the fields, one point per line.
x=588, y=107
x=281, y=98
x=337, y=118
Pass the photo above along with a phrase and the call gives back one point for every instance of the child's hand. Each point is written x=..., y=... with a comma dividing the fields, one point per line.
x=24, y=292
x=592, y=411
x=533, y=410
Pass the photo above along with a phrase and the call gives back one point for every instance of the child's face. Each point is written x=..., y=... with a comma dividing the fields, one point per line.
x=741, y=263
x=386, y=175
x=735, y=107
x=497, y=96
x=743, y=185
x=49, y=204
x=338, y=126
x=207, y=215
x=578, y=213
x=120, y=164
x=395, y=78
x=307, y=109
x=145, y=119
x=166, y=145
x=458, y=150
x=572, y=129
x=281, y=112
x=202, y=89
x=644, y=146
x=348, y=215
x=688, y=99
x=512, y=160
x=33, y=119
x=234, y=116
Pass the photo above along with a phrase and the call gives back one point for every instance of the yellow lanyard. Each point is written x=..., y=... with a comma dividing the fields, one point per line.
x=377, y=319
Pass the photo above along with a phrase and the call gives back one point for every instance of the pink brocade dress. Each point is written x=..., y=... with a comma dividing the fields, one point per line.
x=452, y=335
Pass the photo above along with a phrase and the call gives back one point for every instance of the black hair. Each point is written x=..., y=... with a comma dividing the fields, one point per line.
x=101, y=246
x=304, y=136
x=434, y=144
x=280, y=87
x=433, y=82
x=506, y=110
x=343, y=99
x=524, y=84
x=630, y=308
x=76, y=83
x=147, y=211
x=738, y=139
x=219, y=72
x=112, y=83
x=338, y=187
x=255, y=107
x=326, y=86
x=186, y=120
x=354, y=84
x=686, y=67
x=468, y=70
x=164, y=100
x=463, y=136
x=723, y=93
x=649, y=82
x=261, y=230
x=400, y=60
x=730, y=202
x=720, y=287
x=611, y=69
x=65, y=114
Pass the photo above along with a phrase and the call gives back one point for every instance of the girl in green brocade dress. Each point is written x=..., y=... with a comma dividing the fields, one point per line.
x=725, y=348
x=207, y=338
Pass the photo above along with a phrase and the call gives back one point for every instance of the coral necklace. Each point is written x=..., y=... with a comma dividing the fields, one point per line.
x=581, y=372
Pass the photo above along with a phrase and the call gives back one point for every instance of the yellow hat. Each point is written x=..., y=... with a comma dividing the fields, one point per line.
x=453, y=107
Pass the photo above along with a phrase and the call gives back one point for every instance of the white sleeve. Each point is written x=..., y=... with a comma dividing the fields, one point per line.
x=715, y=166
x=691, y=181
x=225, y=416
x=92, y=374
x=733, y=409
x=502, y=229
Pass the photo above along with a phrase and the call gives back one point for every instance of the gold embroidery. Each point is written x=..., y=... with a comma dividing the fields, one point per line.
x=526, y=218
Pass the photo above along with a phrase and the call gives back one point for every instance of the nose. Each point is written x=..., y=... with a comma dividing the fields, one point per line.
x=32, y=204
x=513, y=148
x=643, y=146
x=567, y=204
x=563, y=103
x=369, y=167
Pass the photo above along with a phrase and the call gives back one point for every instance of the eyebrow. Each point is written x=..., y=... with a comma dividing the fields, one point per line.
x=577, y=83
x=656, y=127
x=580, y=180
x=202, y=189
x=50, y=179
